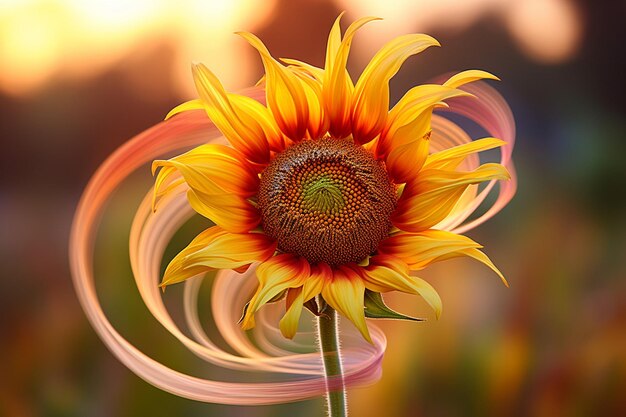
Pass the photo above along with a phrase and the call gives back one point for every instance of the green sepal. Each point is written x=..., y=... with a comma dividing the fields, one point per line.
x=375, y=308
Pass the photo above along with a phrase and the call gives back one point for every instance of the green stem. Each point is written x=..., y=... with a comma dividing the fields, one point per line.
x=331, y=356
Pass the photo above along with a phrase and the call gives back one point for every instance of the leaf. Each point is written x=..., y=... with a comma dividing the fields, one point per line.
x=375, y=308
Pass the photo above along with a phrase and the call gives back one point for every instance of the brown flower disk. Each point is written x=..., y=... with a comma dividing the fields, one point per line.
x=327, y=200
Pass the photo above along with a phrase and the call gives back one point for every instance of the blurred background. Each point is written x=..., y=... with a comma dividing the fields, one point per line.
x=80, y=77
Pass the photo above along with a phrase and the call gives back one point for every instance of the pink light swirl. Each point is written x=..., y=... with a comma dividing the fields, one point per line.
x=270, y=353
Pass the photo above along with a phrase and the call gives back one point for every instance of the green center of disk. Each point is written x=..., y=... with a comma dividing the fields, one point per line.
x=323, y=195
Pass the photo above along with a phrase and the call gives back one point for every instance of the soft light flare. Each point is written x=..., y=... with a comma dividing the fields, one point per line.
x=41, y=41
x=548, y=31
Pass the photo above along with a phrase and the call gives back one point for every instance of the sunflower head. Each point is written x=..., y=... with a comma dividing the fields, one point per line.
x=326, y=200
x=329, y=190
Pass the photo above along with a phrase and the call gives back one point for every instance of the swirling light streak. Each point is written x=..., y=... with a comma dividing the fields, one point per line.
x=490, y=111
x=151, y=232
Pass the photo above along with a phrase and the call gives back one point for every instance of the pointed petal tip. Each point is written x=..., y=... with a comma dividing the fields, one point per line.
x=246, y=36
x=249, y=37
x=156, y=164
x=196, y=67
x=499, y=142
x=486, y=75
x=248, y=322
x=286, y=335
x=286, y=329
x=505, y=175
x=460, y=93
x=434, y=42
x=364, y=330
x=433, y=299
x=436, y=305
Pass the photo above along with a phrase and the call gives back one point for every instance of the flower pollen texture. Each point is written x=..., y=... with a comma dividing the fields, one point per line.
x=327, y=200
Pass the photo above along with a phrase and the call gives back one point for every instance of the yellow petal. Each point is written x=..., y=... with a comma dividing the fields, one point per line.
x=418, y=99
x=386, y=273
x=320, y=273
x=468, y=76
x=195, y=104
x=480, y=257
x=215, y=248
x=297, y=297
x=275, y=275
x=252, y=112
x=243, y=130
x=442, y=179
x=370, y=102
x=345, y=292
x=334, y=41
x=304, y=68
x=232, y=250
x=406, y=121
x=232, y=212
x=211, y=169
x=419, y=250
x=165, y=182
x=286, y=97
x=318, y=122
x=451, y=158
x=337, y=85
x=175, y=272
x=406, y=160
x=428, y=200
x=288, y=325
x=409, y=120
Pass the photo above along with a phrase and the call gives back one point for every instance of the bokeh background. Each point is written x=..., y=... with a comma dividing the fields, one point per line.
x=80, y=77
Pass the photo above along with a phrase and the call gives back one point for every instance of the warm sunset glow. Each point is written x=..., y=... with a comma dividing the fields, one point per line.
x=41, y=41
x=548, y=31
x=29, y=50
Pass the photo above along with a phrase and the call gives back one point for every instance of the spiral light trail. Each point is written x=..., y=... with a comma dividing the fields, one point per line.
x=270, y=353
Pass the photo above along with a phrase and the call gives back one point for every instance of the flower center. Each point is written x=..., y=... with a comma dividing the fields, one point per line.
x=327, y=200
x=322, y=195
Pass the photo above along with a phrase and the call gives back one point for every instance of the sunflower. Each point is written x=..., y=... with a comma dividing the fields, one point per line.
x=326, y=189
